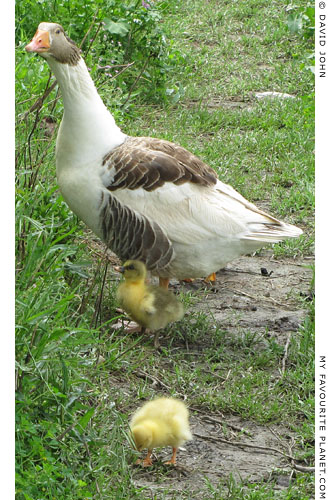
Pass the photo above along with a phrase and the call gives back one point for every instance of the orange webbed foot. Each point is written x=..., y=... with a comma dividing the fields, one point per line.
x=147, y=462
x=212, y=277
x=129, y=326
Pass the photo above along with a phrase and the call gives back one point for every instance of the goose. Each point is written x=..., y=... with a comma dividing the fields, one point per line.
x=146, y=198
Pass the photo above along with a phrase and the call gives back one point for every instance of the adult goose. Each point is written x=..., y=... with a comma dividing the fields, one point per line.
x=148, y=199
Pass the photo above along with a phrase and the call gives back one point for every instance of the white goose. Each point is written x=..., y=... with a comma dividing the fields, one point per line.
x=148, y=199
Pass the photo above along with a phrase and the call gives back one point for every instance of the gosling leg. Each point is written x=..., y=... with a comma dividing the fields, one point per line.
x=172, y=461
x=156, y=340
x=147, y=462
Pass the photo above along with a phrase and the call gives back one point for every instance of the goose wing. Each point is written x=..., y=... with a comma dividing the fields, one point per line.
x=170, y=185
x=149, y=163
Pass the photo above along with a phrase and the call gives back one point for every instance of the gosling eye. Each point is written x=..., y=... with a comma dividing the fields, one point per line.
x=130, y=267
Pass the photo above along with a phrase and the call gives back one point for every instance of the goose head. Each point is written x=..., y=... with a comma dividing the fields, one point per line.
x=51, y=41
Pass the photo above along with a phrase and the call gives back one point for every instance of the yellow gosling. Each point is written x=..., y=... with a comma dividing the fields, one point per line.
x=158, y=423
x=148, y=305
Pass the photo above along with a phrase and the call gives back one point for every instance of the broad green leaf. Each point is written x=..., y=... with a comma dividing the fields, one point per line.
x=295, y=23
x=86, y=418
x=116, y=28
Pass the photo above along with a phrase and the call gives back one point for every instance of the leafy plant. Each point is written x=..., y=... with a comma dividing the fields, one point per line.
x=301, y=20
x=123, y=42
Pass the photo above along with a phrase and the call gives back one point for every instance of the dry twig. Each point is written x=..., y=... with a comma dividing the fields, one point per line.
x=117, y=74
x=300, y=468
x=245, y=445
x=39, y=102
x=136, y=80
x=89, y=29
x=285, y=357
x=141, y=373
x=220, y=421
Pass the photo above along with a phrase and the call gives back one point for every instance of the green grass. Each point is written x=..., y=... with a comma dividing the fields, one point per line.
x=232, y=490
x=77, y=379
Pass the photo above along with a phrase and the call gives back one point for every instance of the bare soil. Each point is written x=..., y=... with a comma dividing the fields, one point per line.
x=259, y=294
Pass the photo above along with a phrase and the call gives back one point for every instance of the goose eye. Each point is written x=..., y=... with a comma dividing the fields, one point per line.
x=58, y=31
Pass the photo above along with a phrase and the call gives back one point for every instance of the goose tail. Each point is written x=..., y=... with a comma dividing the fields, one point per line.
x=272, y=232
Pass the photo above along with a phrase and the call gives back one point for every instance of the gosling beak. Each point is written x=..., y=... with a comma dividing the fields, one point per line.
x=119, y=269
x=39, y=43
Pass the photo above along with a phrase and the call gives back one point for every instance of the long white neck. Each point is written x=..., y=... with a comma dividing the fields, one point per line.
x=88, y=131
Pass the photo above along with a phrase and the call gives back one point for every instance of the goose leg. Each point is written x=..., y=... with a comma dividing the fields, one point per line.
x=163, y=282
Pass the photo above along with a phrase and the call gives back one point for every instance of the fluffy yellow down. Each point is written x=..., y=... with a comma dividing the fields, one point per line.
x=161, y=422
x=149, y=305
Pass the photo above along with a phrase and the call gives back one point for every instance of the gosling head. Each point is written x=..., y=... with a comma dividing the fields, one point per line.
x=133, y=270
x=142, y=435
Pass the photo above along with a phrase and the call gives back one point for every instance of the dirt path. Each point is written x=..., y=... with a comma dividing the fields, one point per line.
x=259, y=294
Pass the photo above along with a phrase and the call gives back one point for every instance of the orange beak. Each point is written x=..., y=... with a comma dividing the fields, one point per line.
x=39, y=43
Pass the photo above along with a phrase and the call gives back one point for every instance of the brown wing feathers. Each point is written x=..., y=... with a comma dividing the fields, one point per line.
x=133, y=236
x=149, y=163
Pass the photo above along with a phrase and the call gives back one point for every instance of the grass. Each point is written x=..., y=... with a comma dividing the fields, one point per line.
x=77, y=379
